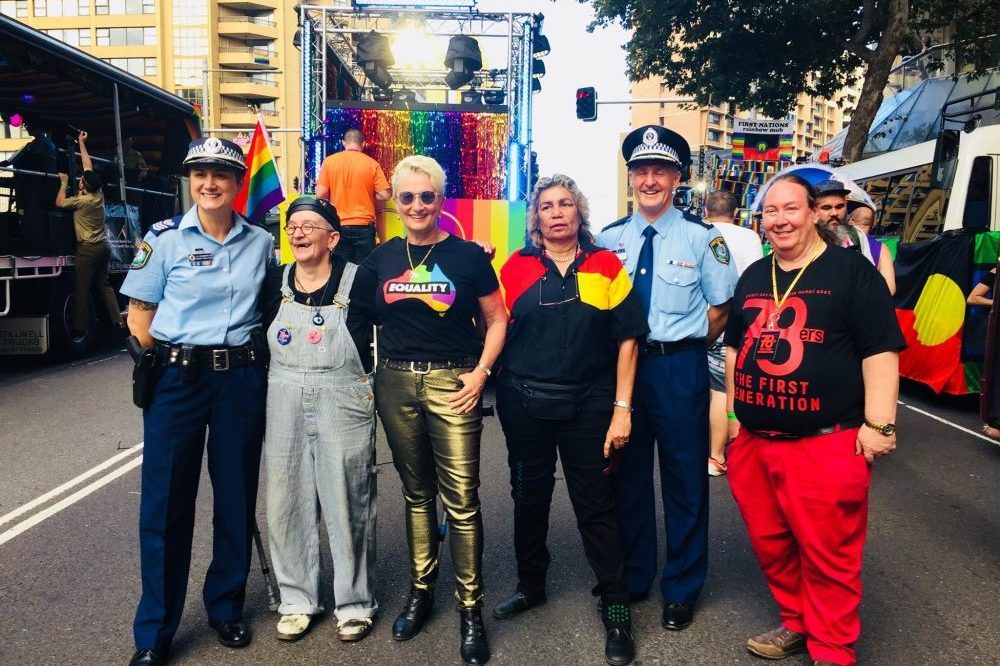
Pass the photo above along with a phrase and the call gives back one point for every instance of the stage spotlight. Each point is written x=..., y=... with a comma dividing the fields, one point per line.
x=539, y=45
x=472, y=97
x=404, y=95
x=537, y=69
x=495, y=97
x=381, y=94
x=536, y=86
x=375, y=58
x=297, y=39
x=464, y=59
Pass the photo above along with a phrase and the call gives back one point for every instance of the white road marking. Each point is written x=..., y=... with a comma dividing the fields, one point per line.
x=55, y=492
x=25, y=525
x=953, y=425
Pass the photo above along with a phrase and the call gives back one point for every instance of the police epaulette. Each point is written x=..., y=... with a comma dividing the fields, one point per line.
x=618, y=223
x=165, y=225
x=694, y=218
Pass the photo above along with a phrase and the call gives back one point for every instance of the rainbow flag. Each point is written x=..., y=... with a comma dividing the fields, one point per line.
x=500, y=222
x=262, y=188
x=193, y=123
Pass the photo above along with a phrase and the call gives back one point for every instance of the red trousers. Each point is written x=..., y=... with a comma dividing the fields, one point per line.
x=805, y=505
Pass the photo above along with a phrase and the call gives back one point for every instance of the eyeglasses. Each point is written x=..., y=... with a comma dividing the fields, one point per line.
x=305, y=228
x=426, y=197
x=568, y=287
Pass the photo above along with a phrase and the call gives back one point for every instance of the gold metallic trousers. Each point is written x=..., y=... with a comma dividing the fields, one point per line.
x=435, y=451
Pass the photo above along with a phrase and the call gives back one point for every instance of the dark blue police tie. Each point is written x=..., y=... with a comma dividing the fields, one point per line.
x=644, y=268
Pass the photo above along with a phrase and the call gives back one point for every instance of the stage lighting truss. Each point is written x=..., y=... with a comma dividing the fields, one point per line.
x=331, y=36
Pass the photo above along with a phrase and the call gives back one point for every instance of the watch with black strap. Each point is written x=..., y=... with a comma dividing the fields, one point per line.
x=884, y=429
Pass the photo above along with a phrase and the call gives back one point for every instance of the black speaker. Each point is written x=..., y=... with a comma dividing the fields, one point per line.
x=10, y=233
x=35, y=232
x=62, y=235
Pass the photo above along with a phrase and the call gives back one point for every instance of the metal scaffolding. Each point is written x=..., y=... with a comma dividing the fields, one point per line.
x=328, y=32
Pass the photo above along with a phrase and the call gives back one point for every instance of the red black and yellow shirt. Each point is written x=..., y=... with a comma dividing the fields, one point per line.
x=566, y=329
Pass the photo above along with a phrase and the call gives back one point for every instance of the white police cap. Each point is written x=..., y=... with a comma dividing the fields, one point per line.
x=213, y=151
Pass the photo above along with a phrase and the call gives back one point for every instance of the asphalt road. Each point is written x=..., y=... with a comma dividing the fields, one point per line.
x=69, y=559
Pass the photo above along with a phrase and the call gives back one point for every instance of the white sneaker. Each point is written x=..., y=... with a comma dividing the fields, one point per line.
x=354, y=629
x=293, y=627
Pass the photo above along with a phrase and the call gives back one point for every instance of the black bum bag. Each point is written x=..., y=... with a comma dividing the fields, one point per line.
x=544, y=400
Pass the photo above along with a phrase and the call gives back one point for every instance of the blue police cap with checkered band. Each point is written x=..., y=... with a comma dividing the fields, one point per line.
x=213, y=151
x=652, y=143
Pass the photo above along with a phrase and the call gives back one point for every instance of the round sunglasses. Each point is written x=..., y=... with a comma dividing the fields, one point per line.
x=426, y=197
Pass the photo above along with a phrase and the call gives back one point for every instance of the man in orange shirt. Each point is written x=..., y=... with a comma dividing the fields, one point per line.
x=353, y=182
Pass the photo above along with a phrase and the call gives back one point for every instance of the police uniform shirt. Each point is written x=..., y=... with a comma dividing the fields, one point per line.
x=206, y=291
x=692, y=269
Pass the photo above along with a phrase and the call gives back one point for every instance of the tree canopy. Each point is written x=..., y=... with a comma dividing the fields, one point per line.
x=763, y=54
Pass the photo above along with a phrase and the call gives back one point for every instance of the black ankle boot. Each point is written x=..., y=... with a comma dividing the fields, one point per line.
x=475, y=649
x=619, y=646
x=416, y=611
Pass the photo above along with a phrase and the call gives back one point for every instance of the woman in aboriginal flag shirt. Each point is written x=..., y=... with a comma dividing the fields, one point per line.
x=565, y=390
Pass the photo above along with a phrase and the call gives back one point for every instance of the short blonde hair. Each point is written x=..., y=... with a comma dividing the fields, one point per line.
x=582, y=207
x=419, y=164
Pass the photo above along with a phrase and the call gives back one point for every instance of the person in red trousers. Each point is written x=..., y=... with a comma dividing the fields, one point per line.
x=812, y=377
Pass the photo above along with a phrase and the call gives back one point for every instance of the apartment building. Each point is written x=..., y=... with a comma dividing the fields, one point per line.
x=233, y=57
x=816, y=121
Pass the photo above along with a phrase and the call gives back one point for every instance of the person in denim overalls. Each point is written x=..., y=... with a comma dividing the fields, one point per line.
x=319, y=442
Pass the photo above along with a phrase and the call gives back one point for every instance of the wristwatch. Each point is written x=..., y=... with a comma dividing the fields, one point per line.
x=621, y=404
x=886, y=430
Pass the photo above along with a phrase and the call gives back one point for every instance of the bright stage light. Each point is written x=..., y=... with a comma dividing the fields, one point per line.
x=415, y=48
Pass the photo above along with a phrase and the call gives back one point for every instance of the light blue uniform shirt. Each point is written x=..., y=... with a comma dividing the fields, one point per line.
x=692, y=270
x=206, y=291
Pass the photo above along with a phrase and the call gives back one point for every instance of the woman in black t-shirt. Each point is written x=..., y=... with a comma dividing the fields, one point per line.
x=812, y=375
x=432, y=367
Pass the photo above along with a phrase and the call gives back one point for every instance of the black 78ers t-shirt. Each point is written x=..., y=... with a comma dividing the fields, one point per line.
x=804, y=372
x=427, y=314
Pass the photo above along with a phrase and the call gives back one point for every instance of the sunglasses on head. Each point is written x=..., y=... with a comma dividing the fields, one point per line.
x=426, y=197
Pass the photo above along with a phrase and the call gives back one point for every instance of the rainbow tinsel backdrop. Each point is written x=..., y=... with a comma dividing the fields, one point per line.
x=471, y=147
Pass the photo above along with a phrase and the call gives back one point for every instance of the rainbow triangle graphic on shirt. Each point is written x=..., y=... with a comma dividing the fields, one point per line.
x=433, y=288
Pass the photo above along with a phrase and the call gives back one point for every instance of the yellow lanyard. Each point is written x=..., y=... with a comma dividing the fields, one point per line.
x=780, y=302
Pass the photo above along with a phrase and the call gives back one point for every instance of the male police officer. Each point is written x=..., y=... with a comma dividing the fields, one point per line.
x=681, y=269
x=193, y=289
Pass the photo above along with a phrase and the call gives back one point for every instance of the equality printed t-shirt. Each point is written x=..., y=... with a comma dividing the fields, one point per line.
x=801, y=371
x=427, y=314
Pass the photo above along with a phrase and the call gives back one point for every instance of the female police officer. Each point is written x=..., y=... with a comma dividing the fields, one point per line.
x=193, y=299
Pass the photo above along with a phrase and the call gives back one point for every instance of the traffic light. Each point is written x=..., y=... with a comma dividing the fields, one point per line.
x=586, y=104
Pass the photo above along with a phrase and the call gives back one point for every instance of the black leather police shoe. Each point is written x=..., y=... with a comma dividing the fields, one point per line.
x=677, y=616
x=411, y=619
x=516, y=604
x=148, y=658
x=619, y=645
x=232, y=634
x=474, y=647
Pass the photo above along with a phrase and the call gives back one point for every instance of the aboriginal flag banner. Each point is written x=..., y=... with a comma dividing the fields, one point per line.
x=763, y=139
x=932, y=281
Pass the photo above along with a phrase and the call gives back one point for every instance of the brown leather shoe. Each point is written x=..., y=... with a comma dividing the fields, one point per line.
x=777, y=643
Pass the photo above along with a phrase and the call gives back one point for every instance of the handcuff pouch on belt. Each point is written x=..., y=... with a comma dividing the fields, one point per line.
x=258, y=343
x=143, y=372
x=552, y=402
